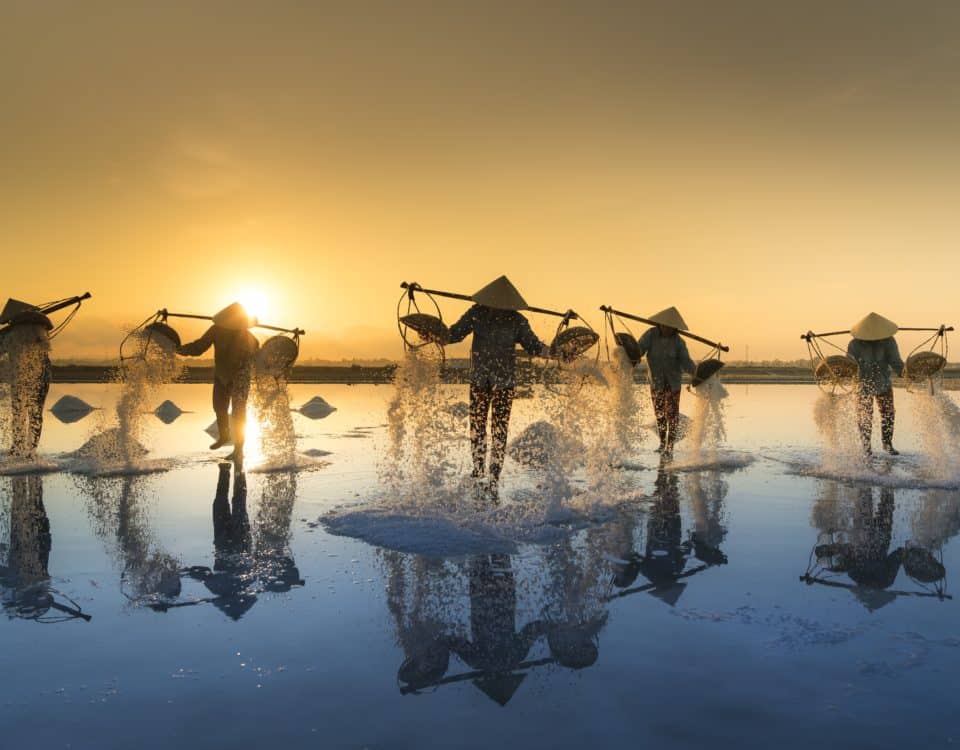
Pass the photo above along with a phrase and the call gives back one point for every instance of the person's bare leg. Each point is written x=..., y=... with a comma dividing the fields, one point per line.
x=221, y=407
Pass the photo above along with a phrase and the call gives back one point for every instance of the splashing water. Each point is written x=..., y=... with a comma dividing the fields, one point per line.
x=421, y=428
x=938, y=421
x=140, y=377
x=835, y=415
x=278, y=440
x=707, y=429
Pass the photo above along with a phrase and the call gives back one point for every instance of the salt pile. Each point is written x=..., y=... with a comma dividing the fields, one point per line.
x=317, y=408
x=111, y=446
x=168, y=412
x=70, y=409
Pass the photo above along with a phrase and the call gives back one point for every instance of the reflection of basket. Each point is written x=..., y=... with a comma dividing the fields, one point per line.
x=922, y=565
x=430, y=327
x=158, y=329
x=570, y=343
x=836, y=368
x=629, y=345
x=705, y=370
x=31, y=317
x=924, y=365
x=277, y=355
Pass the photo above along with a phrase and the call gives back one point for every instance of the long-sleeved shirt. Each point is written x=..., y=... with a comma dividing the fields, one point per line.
x=493, y=350
x=232, y=349
x=667, y=359
x=877, y=360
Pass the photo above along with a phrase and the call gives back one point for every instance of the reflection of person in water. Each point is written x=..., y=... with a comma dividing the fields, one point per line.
x=933, y=523
x=24, y=575
x=232, y=544
x=495, y=650
x=856, y=534
x=664, y=561
x=247, y=562
x=495, y=647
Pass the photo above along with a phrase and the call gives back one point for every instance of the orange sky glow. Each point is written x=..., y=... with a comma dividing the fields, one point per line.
x=766, y=167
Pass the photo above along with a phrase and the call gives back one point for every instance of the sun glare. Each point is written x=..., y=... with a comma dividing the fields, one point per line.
x=254, y=302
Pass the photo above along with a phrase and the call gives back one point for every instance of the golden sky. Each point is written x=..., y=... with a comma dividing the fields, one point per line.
x=767, y=167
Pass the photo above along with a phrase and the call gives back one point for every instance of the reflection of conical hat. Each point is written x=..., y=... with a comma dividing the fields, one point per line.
x=873, y=328
x=500, y=295
x=499, y=687
x=13, y=308
x=671, y=318
x=235, y=317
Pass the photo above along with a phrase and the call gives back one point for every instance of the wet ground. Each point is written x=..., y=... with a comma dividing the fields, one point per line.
x=749, y=599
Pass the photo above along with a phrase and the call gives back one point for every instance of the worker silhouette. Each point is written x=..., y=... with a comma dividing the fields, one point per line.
x=234, y=350
x=874, y=348
x=497, y=327
x=24, y=341
x=667, y=360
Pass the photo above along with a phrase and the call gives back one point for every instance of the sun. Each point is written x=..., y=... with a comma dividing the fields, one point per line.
x=255, y=302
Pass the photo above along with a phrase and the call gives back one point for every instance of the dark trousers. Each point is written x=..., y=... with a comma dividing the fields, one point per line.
x=227, y=400
x=666, y=407
x=865, y=415
x=497, y=403
x=27, y=401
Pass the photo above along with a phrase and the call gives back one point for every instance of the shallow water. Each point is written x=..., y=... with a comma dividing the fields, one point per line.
x=672, y=611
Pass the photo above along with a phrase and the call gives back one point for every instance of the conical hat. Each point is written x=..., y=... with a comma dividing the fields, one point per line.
x=500, y=295
x=671, y=318
x=235, y=317
x=873, y=328
x=13, y=308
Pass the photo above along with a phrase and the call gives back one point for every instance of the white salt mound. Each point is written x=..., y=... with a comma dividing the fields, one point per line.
x=110, y=445
x=168, y=412
x=317, y=408
x=70, y=409
x=540, y=444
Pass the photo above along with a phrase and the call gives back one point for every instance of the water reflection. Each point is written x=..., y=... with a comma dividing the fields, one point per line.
x=666, y=559
x=476, y=613
x=248, y=560
x=120, y=511
x=25, y=590
x=858, y=547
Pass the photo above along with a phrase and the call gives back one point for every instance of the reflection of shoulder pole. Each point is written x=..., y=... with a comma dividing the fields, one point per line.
x=810, y=579
x=405, y=690
x=685, y=334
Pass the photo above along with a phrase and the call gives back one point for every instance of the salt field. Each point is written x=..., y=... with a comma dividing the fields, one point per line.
x=766, y=588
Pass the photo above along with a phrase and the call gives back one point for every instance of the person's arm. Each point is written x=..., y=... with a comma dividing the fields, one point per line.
x=198, y=347
x=894, y=358
x=643, y=345
x=683, y=354
x=463, y=327
x=529, y=341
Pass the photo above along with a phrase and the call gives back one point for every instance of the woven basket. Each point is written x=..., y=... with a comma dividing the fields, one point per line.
x=570, y=343
x=706, y=370
x=924, y=365
x=429, y=327
x=629, y=344
x=277, y=355
x=836, y=367
x=155, y=330
x=922, y=565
